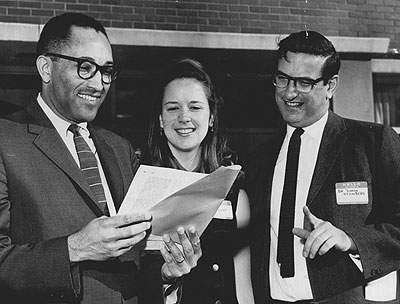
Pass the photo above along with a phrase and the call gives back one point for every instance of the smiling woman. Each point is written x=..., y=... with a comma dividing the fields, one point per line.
x=184, y=134
x=185, y=119
x=184, y=130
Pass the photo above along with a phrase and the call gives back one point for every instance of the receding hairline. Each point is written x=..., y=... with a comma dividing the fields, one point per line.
x=57, y=31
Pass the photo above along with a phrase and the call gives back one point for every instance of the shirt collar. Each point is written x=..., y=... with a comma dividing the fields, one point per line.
x=59, y=123
x=315, y=130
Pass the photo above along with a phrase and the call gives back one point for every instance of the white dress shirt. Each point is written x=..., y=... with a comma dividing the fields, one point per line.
x=297, y=287
x=61, y=126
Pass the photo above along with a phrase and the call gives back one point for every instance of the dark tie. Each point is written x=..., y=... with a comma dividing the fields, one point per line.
x=89, y=168
x=286, y=219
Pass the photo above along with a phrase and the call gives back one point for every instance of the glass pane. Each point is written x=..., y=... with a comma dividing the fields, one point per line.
x=387, y=99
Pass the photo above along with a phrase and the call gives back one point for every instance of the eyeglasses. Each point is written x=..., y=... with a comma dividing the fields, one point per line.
x=87, y=69
x=302, y=85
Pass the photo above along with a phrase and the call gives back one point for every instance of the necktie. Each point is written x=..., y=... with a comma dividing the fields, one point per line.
x=89, y=168
x=285, y=254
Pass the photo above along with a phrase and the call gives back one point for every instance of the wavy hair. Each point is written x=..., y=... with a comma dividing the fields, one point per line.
x=312, y=43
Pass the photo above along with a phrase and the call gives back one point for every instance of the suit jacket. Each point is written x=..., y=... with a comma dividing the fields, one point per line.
x=350, y=151
x=44, y=197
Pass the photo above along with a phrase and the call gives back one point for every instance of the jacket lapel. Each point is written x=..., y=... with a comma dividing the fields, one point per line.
x=50, y=143
x=110, y=166
x=333, y=139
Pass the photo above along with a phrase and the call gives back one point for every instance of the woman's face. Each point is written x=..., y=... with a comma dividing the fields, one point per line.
x=185, y=115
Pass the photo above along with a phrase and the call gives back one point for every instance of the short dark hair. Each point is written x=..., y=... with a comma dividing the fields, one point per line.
x=313, y=43
x=214, y=151
x=57, y=31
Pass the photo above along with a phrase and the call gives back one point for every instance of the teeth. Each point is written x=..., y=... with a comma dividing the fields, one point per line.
x=87, y=97
x=184, y=131
x=293, y=104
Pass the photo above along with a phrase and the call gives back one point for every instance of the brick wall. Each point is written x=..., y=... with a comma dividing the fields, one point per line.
x=356, y=18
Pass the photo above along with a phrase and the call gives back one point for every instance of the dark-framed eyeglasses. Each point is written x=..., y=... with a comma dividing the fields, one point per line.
x=86, y=69
x=302, y=84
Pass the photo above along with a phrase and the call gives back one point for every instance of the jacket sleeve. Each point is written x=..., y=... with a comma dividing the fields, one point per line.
x=378, y=241
x=37, y=268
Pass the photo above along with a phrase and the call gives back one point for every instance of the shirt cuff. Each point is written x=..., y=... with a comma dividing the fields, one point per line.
x=173, y=292
x=356, y=260
x=75, y=278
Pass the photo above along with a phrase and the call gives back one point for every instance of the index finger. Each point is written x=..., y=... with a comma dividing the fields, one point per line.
x=127, y=219
x=186, y=242
x=174, y=250
x=314, y=221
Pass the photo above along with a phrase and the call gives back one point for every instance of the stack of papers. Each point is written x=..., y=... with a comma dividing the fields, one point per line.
x=177, y=198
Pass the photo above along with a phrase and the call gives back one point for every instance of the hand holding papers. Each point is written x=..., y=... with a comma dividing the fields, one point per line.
x=177, y=198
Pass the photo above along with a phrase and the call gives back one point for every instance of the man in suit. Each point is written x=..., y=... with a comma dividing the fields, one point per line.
x=343, y=209
x=57, y=243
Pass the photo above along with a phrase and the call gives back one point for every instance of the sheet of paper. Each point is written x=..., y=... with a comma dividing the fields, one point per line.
x=152, y=184
x=182, y=199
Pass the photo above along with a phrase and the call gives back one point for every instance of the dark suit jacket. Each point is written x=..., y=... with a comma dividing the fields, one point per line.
x=44, y=198
x=350, y=151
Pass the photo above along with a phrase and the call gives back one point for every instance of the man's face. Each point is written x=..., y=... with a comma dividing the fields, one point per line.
x=303, y=109
x=69, y=96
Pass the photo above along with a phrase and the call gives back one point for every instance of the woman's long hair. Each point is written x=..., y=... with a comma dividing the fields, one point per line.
x=214, y=151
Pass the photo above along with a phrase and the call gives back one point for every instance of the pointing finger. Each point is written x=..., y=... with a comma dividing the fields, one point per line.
x=314, y=221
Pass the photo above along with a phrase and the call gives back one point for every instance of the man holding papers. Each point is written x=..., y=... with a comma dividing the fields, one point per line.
x=60, y=179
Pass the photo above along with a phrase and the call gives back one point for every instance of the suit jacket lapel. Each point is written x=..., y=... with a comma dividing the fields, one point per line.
x=110, y=166
x=333, y=139
x=50, y=143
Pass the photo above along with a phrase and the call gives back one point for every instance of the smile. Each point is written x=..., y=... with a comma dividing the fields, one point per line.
x=88, y=97
x=293, y=104
x=185, y=131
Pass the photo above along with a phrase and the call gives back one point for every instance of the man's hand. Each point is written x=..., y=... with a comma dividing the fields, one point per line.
x=108, y=237
x=323, y=237
x=178, y=263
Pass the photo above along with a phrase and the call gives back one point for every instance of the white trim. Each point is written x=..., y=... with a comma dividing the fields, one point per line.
x=19, y=31
x=144, y=37
x=385, y=65
x=192, y=39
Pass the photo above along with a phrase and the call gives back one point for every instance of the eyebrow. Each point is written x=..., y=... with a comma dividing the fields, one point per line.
x=94, y=61
x=169, y=102
x=177, y=102
x=284, y=74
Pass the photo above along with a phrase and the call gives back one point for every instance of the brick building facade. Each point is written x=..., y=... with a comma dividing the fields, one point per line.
x=353, y=18
x=236, y=42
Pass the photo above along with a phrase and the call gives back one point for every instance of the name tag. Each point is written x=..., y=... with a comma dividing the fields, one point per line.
x=351, y=193
x=224, y=211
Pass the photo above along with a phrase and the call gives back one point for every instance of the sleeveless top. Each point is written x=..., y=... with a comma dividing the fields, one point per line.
x=212, y=281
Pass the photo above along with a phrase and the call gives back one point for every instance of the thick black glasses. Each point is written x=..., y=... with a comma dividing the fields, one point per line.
x=87, y=69
x=302, y=85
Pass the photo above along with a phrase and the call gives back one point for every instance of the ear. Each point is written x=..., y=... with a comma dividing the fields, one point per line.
x=161, y=122
x=332, y=86
x=44, y=66
x=211, y=123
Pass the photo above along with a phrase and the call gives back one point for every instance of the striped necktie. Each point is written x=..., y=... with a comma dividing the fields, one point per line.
x=89, y=168
x=286, y=219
